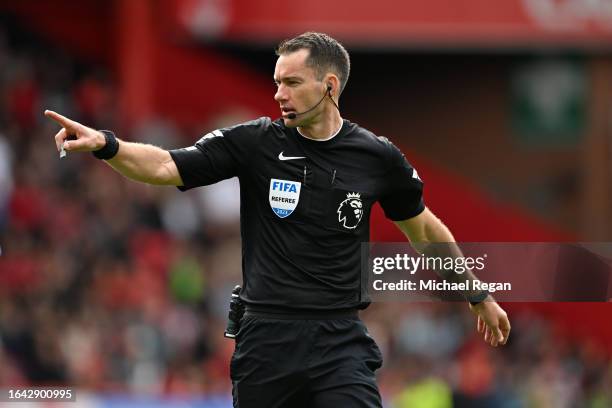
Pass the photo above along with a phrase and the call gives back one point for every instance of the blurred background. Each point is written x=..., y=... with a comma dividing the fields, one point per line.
x=120, y=290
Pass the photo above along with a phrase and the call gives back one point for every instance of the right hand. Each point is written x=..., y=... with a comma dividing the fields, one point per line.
x=87, y=139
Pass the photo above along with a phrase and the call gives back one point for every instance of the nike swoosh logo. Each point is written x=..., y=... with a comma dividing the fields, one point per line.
x=281, y=157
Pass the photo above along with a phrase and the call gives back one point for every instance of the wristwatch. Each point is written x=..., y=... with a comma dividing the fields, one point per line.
x=478, y=298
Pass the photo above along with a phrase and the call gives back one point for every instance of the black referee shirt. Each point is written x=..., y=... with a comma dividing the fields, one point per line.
x=305, y=206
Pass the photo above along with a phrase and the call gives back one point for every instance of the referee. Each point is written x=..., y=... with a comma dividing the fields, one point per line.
x=308, y=183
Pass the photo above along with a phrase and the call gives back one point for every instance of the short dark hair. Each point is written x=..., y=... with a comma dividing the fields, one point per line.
x=326, y=54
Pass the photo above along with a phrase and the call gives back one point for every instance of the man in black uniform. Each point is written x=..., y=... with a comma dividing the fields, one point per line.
x=308, y=182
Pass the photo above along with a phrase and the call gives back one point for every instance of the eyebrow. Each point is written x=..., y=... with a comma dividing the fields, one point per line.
x=288, y=78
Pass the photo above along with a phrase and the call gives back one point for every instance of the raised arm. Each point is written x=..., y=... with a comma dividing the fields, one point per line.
x=137, y=161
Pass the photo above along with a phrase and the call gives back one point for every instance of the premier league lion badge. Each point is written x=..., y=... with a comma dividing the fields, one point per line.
x=350, y=211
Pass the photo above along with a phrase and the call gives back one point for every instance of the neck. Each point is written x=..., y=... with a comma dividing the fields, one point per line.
x=323, y=129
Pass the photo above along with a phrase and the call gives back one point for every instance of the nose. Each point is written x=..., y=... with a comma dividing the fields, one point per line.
x=280, y=95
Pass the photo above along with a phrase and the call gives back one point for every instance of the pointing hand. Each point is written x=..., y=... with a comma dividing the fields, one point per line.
x=75, y=137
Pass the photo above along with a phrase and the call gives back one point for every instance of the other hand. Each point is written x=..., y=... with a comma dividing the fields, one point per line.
x=492, y=321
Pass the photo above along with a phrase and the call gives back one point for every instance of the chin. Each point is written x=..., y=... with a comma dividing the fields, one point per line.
x=291, y=123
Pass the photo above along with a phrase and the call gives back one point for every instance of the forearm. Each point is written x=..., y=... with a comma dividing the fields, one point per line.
x=440, y=243
x=140, y=162
x=145, y=163
x=430, y=237
x=459, y=275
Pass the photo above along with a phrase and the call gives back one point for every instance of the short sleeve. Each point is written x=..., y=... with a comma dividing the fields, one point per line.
x=219, y=155
x=402, y=196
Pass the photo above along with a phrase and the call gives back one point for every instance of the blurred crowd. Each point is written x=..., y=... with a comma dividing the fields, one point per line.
x=108, y=285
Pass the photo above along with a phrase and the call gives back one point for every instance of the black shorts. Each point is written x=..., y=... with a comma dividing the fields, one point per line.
x=304, y=363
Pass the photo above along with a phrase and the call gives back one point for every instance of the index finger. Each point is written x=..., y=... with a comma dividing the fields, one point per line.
x=499, y=336
x=62, y=120
x=505, y=329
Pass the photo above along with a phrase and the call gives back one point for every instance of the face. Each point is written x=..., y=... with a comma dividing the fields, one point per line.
x=298, y=88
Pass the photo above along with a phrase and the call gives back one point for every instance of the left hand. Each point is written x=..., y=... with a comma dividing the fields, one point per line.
x=492, y=321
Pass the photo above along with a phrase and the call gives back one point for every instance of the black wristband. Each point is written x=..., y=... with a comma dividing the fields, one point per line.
x=111, y=147
x=478, y=298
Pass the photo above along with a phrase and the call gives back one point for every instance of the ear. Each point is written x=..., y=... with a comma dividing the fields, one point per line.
x=332, y=81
